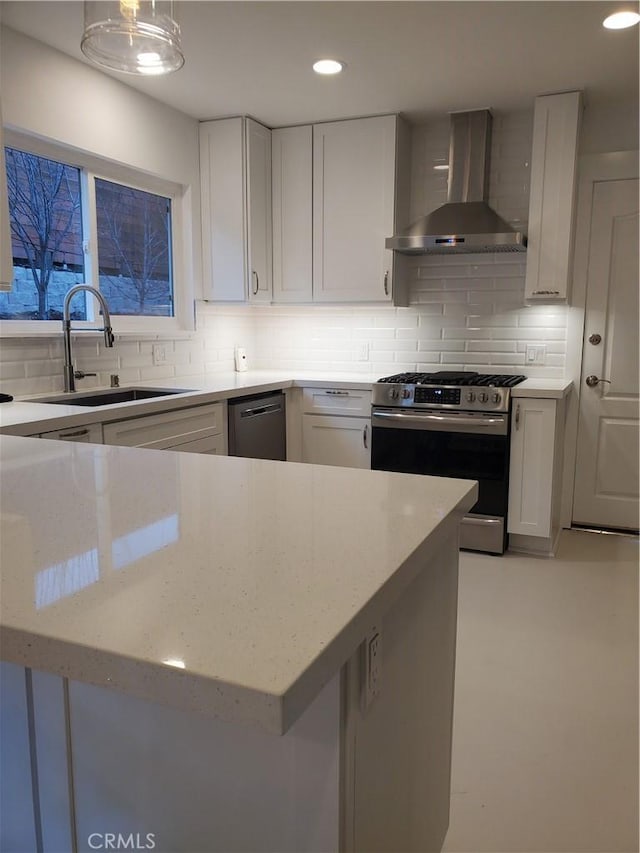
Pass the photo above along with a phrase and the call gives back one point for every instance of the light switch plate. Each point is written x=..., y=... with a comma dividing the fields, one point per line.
x=536, y=353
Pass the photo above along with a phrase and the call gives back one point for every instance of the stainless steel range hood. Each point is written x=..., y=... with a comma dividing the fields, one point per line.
x=465, y=223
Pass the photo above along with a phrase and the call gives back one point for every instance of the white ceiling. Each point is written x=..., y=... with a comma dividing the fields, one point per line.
x=420, y=58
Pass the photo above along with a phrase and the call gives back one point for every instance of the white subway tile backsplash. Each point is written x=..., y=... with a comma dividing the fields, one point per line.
x=458, y=332
x=52, y=367
x=160, y=371
x=422, y=297
x=492, y=346
x=492, y=320
x=126, y=375
x=12, y=370
x=13, y=350
x=543, y=321
x=395, y=346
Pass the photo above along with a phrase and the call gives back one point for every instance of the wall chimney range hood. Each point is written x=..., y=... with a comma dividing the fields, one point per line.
x=465, y=223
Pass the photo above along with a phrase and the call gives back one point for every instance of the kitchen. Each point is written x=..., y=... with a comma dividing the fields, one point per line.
x=470, y=315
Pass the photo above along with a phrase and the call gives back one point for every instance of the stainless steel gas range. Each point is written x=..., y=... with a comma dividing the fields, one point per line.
x=450, y=424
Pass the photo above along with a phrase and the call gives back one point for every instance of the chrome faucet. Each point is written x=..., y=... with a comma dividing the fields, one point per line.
x=70, y=375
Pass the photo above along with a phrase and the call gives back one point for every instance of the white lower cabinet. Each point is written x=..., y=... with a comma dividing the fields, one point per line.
x=90, y=433
x=199, y=429
x=535, y=473
x=329, y=440
x=336, y=426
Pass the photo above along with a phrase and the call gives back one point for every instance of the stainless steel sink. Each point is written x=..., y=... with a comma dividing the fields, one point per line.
x=109, y=396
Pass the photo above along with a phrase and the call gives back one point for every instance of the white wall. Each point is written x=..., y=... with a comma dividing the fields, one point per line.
x=609, y=126
x=48, y=95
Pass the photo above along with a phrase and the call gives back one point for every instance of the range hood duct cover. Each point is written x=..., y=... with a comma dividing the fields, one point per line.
x=465, y=223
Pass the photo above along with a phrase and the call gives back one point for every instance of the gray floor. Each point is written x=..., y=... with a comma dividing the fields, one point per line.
x=545, y=754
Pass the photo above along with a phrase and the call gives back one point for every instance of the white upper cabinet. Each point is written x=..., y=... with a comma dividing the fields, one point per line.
x=354, y=209
x=235, y=174
x=553, y=181
x=258, y=189
x=292, y=171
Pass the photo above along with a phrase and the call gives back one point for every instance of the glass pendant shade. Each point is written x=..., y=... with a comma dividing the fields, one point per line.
x=134, y=36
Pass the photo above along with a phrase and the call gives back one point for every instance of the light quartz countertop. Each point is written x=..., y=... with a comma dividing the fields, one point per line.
x=232, y=587
x=29, y=417
x=555, y=389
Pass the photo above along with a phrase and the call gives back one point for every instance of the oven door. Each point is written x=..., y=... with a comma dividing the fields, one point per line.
x=468, y=445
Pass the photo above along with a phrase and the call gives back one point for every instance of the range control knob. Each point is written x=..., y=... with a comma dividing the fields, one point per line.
x=496, y=398
x=406, y=393
x=483, y=396
x=470, y=396
x=394, y=393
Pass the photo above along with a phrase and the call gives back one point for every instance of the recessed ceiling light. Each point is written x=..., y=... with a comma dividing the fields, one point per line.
x=621, y=20
x=441, y=167
x=328, y=66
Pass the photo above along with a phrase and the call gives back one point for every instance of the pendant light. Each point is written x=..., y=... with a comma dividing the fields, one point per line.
x=134, y=36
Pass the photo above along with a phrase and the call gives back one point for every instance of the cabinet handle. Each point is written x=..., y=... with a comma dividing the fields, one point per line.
x=386, y=283
x=338, y=393
x=74, y=434
x=257, y=279
x=518, y=417
x=365, y=435
x=546, y=293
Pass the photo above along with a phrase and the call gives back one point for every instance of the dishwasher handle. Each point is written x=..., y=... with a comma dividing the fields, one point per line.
x=261, y=410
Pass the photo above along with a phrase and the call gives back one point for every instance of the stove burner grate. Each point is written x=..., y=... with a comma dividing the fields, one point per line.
x=460, y=378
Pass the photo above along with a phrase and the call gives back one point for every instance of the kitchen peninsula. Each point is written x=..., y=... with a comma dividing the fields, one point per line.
x=228, y=654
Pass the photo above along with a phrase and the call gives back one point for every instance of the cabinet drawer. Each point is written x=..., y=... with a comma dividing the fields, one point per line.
x=91, y=433
x=214, y=445
x=355, y=402
x=168, y=429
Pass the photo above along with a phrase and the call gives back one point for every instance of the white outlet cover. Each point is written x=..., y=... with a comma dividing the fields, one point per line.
x=159, y=353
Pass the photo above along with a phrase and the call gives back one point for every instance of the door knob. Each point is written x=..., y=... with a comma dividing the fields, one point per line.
x=593, y=380
x=595, y=339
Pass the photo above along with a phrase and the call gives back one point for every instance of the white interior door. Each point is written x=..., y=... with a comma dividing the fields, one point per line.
x=606, y=482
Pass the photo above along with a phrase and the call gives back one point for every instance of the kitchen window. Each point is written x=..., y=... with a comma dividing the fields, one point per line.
x=76, y=221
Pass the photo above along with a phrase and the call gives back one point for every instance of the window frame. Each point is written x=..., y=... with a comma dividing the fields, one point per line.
x=92, y=167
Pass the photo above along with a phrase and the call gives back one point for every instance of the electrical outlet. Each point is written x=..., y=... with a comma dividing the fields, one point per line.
x=536, y=354
x=159, y=353
x=372, y=667
x=363, y=352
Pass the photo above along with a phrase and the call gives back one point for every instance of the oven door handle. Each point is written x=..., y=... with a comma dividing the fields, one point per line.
x=444, y=420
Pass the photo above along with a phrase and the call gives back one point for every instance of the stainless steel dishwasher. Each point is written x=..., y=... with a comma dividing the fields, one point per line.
x=257, y=427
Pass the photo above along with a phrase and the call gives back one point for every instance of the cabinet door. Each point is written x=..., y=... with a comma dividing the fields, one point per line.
x=353, y=209
x=258, y=146
x=340, y=441
x=532, y=467
x=553, y=180
x=91, y=434
x=292, y=176
x=222, y=178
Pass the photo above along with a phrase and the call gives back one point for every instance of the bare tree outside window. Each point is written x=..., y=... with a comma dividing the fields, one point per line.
x=134, y=250
x=46, y=236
